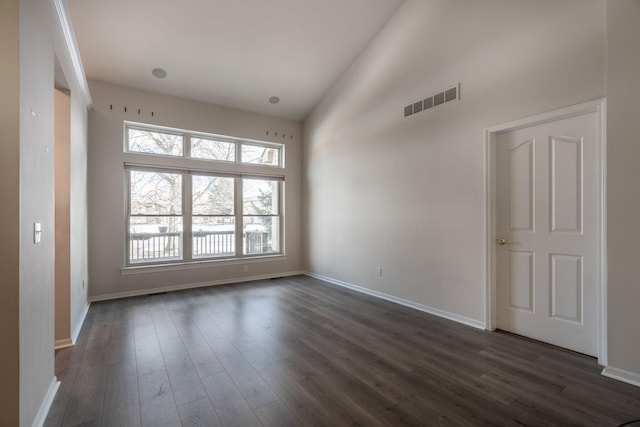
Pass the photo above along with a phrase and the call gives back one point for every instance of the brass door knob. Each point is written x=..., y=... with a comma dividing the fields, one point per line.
x=503, y=241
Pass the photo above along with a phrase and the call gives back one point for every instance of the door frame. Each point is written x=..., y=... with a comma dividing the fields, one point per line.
x=597, y=106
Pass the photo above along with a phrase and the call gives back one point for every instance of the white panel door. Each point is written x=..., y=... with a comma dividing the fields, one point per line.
x=547, y=217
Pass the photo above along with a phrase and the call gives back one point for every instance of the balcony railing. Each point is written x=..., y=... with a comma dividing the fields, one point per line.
x=148, y=247
x=213, y=243
x=167, y=246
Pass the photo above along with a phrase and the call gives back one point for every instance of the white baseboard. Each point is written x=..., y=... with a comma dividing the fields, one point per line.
x=622, y=375
x=64, y=343
x=140, y=292
x=79, y=323
x=70, y=342
x=43, y=411
x=431, y=310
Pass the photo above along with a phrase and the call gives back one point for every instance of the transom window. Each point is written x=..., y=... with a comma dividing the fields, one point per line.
x=202, y=147
x=184, y=214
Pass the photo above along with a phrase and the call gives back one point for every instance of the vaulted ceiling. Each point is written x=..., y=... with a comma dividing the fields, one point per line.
x=235, y=53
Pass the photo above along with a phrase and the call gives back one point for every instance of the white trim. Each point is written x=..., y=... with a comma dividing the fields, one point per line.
x=407, y=303
x=603, y=355
x=72, y=47
x=78, y=327
x=622, y=375
x=597, y=106
x=45, y=406
x=490, y=250
x=171, y=288
x=593, y=106
x=158, y=268
x=64, y=343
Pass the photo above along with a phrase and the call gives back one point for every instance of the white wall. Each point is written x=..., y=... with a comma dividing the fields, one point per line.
x=623, y=176
x=107, y=188
x=407, y=194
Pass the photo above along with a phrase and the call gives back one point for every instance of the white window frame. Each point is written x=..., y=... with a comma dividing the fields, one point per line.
x=187, y=167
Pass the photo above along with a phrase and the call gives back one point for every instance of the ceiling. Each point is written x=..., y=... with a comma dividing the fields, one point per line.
x=234, y=53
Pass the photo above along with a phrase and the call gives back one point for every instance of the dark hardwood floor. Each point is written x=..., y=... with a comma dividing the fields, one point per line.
x=297, y=351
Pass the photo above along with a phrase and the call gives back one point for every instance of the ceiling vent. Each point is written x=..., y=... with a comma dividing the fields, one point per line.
x=435, y=100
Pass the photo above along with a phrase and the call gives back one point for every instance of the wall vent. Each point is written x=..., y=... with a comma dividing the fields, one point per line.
x=435, y=100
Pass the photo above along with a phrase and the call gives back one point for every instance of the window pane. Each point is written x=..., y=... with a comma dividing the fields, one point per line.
x=261, y=234
x=155, y=193
x=260, y=155
x=143, y=141
x=260, y=197
x=212, y=195
x=213, y=236
x=213, y=150
x=155, y=239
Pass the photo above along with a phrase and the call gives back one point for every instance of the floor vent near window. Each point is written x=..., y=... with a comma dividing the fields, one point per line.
x=435, y=100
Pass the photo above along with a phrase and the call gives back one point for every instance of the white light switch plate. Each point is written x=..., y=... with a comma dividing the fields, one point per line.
x=37, y=232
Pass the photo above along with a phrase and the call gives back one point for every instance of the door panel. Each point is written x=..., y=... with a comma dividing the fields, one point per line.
x=521, y=180
x=566, y=288
x=547, y=214
x=521, y=281
x=566, y=185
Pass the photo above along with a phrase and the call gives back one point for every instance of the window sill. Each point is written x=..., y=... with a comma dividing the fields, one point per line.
x=181, y=266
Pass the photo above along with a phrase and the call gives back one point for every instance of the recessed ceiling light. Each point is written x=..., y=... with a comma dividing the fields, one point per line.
x=274, y=100
x=159, y=73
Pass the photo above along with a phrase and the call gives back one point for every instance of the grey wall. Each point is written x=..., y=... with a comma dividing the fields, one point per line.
x=107, y=188
x=623, y=176
x=407, y=194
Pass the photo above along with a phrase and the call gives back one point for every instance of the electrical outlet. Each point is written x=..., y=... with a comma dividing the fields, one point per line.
x=245, y=268
x=379, y=271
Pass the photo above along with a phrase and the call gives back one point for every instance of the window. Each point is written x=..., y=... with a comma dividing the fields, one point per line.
x=213, y=218
x=155, y=216
x=210, y=149
x=202, y=147
x=144, y=141
x=260, y=155
x=261, y=220
x=183, y=214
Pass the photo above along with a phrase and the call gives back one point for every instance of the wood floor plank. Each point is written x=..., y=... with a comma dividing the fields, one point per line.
x=122, y=348
x=148, y=355
x=186, y=386
x=184, y=379
x=163, y=323
x=252, y=387
x=232, y=409
x=204, y=360
x=121, y=401
x=276, y=414
x=198, y=414
x=157, y=406
x=294, y=392
x=86, y=399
